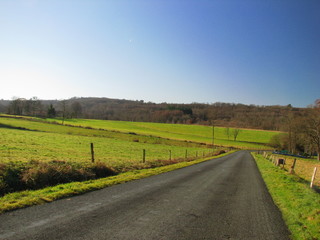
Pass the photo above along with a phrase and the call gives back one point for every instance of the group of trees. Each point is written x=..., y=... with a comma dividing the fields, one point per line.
x=41, y=108
x=21, y=106
x=302, y=132
x=234, y=132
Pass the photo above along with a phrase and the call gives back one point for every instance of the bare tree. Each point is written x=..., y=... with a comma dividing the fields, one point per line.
x=235, y=133
x=16, y=106
x=76, y=109
x=227, y=131
x=312, y=128
x=35, y=106
x=64, y=110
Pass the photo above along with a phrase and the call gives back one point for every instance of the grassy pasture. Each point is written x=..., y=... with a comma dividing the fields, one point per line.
x=247, y=139
x=35, y=153
x=43, y=141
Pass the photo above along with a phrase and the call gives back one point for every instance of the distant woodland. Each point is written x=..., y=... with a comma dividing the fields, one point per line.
x=222, y=114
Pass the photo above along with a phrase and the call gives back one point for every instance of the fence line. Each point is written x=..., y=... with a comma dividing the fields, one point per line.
x=304, y=168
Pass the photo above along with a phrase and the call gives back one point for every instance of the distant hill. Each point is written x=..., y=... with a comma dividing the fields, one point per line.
x=223, y=114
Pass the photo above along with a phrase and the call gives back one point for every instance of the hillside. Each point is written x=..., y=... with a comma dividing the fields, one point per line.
x=223, y=114
x=154, y=133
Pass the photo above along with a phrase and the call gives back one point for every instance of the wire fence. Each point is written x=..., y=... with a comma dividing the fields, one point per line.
x=304, y=168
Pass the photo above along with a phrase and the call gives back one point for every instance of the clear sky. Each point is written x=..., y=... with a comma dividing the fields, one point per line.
x=264, y=52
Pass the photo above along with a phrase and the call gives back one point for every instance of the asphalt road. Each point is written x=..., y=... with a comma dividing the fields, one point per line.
x=223, y=198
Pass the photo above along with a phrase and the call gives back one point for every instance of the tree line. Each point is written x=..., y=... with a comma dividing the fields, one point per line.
x=302, y=132
x=223, y=114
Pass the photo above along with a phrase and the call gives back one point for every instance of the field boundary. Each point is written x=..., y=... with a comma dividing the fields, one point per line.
x=301, y=167
x=28, y=198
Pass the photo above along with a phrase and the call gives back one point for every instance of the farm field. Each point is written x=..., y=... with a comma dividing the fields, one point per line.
x=36, y=154
x=115, y=141
x=247, y=139
x=29, y=140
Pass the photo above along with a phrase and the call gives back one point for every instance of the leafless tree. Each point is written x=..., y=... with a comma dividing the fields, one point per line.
x=235, y=133
x=312, y=128
x=227, y=131
x=64, y=112
x=76, y=109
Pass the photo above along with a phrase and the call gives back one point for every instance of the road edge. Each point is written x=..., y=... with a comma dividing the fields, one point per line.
x=17, y=200
x=295, y=200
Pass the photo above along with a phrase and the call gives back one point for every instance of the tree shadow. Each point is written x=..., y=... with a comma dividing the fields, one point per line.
x=17, y=128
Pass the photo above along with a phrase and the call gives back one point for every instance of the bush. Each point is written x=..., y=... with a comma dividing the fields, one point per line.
x=17, y=176
x=102, y=170
x=220, y=152
x=10, y=177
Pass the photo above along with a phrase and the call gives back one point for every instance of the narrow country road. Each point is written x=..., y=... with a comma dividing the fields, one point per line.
x=223, y=198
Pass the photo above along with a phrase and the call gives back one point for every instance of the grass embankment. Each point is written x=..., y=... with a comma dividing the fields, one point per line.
x=247, y=139
x=300, y=205
x=28, y=198
x=304, y=167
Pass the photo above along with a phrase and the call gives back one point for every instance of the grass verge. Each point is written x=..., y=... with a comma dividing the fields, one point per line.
x=23, y=199
x=300, y=205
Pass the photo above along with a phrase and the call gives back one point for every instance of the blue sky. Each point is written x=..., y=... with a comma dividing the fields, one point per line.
x=260, y=52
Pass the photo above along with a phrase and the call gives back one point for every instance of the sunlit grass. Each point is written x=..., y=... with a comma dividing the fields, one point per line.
x=44, y=146
x=303, y=168
x=254, y=139
x=299, y=204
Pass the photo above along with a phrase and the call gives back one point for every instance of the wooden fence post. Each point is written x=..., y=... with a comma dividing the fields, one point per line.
x=186, y=156
x=292, y=166
x=144, y=156
x=170, y=155
x=92, y=153
x=313, y=177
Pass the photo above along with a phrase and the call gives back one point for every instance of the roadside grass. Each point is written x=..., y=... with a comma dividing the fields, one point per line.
x=23, y=199
x=304, y=167
x=300, y=205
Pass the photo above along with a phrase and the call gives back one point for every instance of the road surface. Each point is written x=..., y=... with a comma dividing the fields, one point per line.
x=223, y=198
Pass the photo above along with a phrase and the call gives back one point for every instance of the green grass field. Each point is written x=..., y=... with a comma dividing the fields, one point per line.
x=115, y=141
x=247, y=139
x=44, y=141
x=35, y=153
